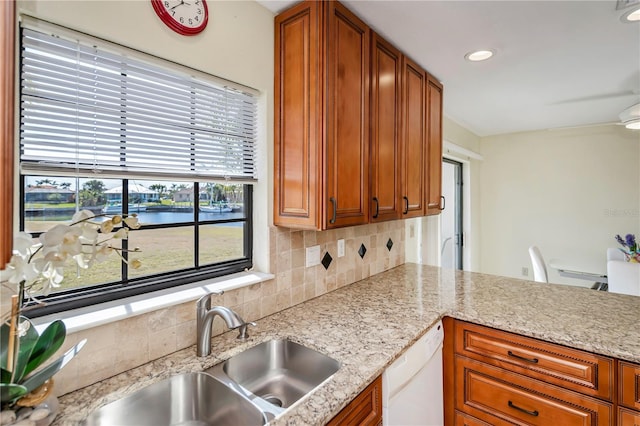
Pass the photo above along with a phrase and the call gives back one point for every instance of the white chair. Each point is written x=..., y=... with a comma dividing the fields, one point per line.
x=615, y=254
x=539, y=268
x=623, y=277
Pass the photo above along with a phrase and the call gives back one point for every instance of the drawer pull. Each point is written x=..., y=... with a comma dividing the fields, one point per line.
x=531, y=360
x=531, y=413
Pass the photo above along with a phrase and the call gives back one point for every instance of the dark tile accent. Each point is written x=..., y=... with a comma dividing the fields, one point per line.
x=389, y=244
x=362, y=250
x=326, y=260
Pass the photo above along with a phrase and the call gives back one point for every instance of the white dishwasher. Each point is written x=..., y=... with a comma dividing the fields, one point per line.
x=412, y=392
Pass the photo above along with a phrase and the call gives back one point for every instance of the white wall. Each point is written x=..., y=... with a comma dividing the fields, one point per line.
x=237, y=45
x=425, y=246
x=566, y=191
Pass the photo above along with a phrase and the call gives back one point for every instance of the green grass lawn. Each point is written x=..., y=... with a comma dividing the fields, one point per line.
x=162, y=250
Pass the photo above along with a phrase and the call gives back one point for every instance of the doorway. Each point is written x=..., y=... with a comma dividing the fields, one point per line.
x=451, y=231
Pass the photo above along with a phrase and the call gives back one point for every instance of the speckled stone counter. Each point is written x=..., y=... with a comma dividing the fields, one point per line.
x=368, y=324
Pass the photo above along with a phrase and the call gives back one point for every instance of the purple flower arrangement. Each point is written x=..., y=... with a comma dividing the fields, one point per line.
x=631, y=248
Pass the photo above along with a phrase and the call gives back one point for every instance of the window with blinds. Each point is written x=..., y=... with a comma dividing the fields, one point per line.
x=115, y=131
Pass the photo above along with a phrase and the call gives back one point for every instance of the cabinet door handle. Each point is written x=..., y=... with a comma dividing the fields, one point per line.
x=523, y=358
x=406, y=205
x=377, y=207
x=529, y=412
x=335, y=210
x=444, y=202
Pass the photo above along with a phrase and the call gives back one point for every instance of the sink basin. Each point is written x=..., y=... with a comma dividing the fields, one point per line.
x=187, y=399
x=279, y=372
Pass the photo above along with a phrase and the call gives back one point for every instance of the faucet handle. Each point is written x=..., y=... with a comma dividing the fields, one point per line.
x=205, y=301
x=243, y=330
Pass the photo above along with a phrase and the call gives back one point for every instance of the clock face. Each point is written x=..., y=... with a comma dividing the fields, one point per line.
x=187, y=17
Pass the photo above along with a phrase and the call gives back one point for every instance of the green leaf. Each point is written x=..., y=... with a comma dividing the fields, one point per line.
x=38, y=378
x=27, y=343
x=47, y=344
x=5, y=376
x=11, y=392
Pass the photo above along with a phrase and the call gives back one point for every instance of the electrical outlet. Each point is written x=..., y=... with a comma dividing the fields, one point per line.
x=525, y=271
x=340, y=248
x=312, y=257
x=411, y=231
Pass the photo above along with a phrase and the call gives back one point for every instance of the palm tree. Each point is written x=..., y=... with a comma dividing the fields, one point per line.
x=92, y=193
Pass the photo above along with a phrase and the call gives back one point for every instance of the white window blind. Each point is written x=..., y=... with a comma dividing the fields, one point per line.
x=85, y=109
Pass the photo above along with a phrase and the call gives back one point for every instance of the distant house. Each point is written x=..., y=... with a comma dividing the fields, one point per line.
x=186, y=195
x=137, y=194
x=48, y=194
x=183, y=195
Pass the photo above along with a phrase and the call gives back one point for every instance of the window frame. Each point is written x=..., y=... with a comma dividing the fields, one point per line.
x=109, y=292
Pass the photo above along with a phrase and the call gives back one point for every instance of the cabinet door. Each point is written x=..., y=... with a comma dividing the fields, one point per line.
x=434, y=99
x=628, y=417
x=385, y=130
x=414, y=139
x=364, y=410
x=297, y=135
x=347, y=118
x=7, y=17
x=629, y=385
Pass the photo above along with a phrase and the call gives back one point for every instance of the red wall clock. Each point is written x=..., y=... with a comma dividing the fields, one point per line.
x=186, y=17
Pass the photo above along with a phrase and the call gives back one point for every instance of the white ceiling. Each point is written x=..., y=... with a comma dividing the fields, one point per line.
x=558, y=63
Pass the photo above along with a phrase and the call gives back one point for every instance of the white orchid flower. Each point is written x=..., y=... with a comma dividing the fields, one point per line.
x=20, y=269
x=82, y=215
x=132, y=222
x=23, y=244
x=53, y=275
x=106, y=226
x=40, y=267
x=121, y=233
x=89, y=233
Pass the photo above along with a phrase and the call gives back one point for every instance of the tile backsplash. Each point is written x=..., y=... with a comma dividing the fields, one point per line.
x=119, y=346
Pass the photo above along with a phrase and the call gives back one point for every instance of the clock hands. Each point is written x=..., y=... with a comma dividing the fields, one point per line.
x=180, y=4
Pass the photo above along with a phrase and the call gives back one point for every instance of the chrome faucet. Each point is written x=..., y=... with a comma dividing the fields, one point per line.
x=204, y=320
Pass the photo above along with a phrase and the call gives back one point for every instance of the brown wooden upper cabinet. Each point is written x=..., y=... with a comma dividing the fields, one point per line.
x=386, y=95
x=434, y=167
x=414, y=140
x=321, y=154
x=353, y=118
x=7, y=46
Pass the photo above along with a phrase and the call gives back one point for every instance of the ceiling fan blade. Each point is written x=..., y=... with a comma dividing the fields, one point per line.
x=597, y=97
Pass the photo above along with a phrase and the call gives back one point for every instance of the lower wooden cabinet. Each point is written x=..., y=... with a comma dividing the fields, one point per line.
x=628, y=417
x=628, y=394
x=499, y=378
x=501, y=397
x=462, y=419
x=365, y=409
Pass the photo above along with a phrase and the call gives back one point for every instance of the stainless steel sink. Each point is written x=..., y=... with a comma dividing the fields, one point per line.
x=187, y=399
x=278, y=372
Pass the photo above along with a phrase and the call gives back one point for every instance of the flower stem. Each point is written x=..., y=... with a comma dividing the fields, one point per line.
x=12, y=349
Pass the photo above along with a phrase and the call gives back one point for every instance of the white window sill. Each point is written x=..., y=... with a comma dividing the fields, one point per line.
x=92, y=316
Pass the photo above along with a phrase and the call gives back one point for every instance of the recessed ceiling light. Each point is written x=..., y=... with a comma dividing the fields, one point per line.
x=632, y=15
x=479, y=55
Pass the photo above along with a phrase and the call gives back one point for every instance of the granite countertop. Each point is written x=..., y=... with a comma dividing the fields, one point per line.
x=367, y=325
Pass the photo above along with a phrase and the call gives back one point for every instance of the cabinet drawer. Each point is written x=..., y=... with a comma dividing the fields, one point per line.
x=627, y=417
x=463, y=419
x=570, y=368
x=500, y=397
x=629, y=382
